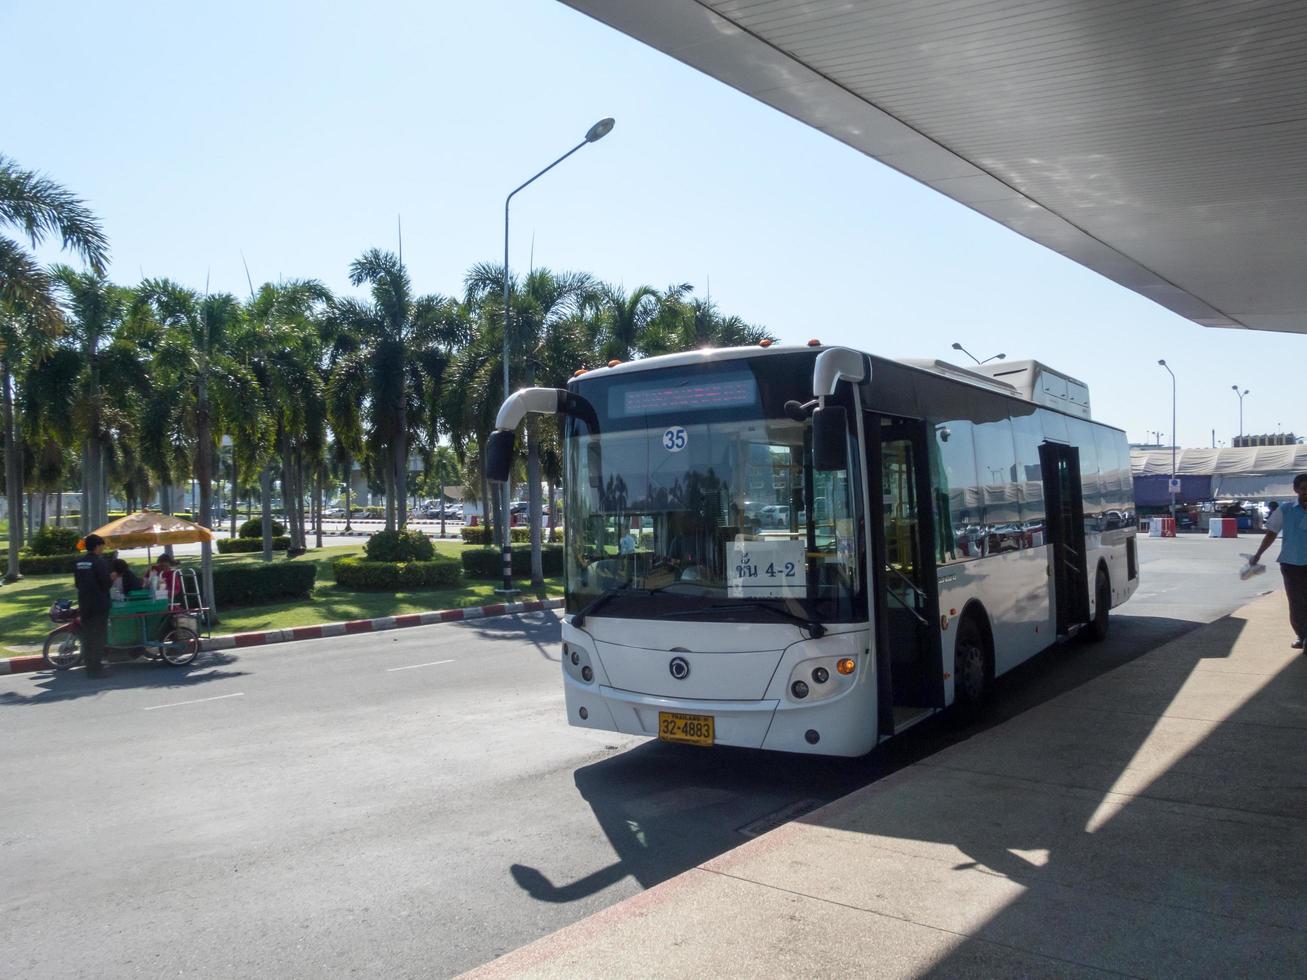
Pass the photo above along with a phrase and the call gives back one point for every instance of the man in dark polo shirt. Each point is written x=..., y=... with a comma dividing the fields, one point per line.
x=91, y=574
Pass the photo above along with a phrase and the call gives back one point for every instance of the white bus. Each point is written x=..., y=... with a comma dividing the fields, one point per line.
x=809, y=549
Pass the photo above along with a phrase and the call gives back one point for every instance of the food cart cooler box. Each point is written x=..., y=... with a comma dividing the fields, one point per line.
x=127, y=627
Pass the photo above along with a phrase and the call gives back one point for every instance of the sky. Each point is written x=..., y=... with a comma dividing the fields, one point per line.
x=294, y=135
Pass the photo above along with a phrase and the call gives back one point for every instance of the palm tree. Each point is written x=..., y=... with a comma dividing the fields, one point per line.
x=193, y=361
x=400, y=347
x=544, y=309
x=279, y=346
x=622, y=319
x=37, y=207
x=96, y=310
x=443, y=469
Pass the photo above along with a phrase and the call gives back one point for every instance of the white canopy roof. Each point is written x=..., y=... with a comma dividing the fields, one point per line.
x=1256, y=461
x=1161, y=143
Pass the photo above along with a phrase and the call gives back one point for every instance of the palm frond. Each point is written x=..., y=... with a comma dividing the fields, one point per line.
x=41, y=207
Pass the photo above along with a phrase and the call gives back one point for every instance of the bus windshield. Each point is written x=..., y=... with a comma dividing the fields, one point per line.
x=696, y=497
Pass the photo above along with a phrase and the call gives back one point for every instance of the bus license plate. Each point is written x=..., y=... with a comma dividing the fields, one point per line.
x=691, y=729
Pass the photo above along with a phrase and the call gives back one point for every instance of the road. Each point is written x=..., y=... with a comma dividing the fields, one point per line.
x=406, y=803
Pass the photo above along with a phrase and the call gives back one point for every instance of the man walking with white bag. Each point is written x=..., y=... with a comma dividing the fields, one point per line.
x=1292, y=520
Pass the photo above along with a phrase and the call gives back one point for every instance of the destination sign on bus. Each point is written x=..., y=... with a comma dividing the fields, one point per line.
x=687, y=396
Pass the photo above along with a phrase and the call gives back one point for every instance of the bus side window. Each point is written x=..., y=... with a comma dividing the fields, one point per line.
x=1091, y=482
x=957, y=493
x=996, y=471
x=1027, y=434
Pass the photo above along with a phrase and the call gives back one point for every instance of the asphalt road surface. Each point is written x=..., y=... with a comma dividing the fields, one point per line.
x=408, y=803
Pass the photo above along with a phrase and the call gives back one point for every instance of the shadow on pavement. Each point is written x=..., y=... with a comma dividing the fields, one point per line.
x=543, y=630
x=1111, y=834
x=667, y=808
x=53, y=686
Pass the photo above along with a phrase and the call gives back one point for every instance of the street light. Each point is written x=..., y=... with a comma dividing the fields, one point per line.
x=595, y=133
x=996, y=357
x=1162, y=362
x=1240, y=394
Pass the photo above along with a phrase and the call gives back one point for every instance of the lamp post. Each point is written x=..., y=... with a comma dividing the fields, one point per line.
x=1240, y=394
x=996, y=357
x=596, y=132
x=1162, y=362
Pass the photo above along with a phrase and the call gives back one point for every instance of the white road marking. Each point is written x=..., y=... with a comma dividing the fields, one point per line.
x=433, y=663
x=178, y=704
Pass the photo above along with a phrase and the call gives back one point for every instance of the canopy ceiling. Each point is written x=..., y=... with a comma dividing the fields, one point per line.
x=1161, y=143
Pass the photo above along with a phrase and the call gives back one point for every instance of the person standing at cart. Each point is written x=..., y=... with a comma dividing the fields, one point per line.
x=91, y=575
x=166, y=574
x=125, y=581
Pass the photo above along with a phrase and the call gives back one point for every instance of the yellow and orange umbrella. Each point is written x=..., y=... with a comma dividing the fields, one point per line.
x=147, y=528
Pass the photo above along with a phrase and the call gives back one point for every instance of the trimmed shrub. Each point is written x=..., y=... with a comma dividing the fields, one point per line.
x=399, y=546
x=481, y=535
x=238, y=546
x=253, y=528
x=485, y=563
x=396, y=576
x=250, y=585
x=29, y=564
x=52, y=540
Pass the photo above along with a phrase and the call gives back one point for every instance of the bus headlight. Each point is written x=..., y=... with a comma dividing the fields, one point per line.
x=821, y=677
x=576, y=663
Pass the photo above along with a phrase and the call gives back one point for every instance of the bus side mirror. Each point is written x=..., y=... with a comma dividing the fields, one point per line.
x=499, y=455
x=829, y=438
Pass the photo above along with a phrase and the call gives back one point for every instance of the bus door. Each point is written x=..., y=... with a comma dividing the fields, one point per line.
x=1064, y=502
x=908, y=659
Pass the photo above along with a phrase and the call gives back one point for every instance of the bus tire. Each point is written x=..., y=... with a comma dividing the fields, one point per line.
x=1102, y=606
x=972, y=676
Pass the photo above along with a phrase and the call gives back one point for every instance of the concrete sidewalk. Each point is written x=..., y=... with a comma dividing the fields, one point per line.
x=1152, y=822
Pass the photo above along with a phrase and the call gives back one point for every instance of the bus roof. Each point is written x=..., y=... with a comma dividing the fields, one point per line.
x=1026, y=372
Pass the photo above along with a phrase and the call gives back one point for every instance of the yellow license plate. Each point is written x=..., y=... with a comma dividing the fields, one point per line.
x=691, y=729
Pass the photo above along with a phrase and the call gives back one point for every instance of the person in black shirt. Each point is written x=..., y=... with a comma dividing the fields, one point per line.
x=122, y=575
x=91, y=576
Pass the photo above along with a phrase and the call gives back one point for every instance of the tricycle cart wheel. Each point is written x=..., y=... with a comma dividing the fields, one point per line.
x=180, y=646
x=63, y=649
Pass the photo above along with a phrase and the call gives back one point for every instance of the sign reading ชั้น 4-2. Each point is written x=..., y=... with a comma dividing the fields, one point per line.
x=766, y=568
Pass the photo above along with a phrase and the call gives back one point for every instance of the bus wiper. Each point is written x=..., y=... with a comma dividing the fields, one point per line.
x=599, y=601
x=814, y=628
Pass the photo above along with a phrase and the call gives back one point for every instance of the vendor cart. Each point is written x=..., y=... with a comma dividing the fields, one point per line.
x=140, y=626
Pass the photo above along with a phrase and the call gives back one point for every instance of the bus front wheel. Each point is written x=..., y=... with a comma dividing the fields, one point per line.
x=971, y=674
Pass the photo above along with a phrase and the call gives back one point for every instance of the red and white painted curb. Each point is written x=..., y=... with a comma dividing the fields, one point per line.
x=377, y=625
x=20, y=665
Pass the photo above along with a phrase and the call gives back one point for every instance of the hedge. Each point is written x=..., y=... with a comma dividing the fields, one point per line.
x=396, y=576
x=481, y=534
x=249, y=585
x=486, y=562
x=234, y=546
x=399, y=546
x=53, y=564
x=253, y=528
x=52, y=540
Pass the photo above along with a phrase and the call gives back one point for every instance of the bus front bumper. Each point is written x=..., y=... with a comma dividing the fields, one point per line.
x=764, y=724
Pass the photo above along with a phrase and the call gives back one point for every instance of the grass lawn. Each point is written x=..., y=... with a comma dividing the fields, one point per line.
x=24, y=604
